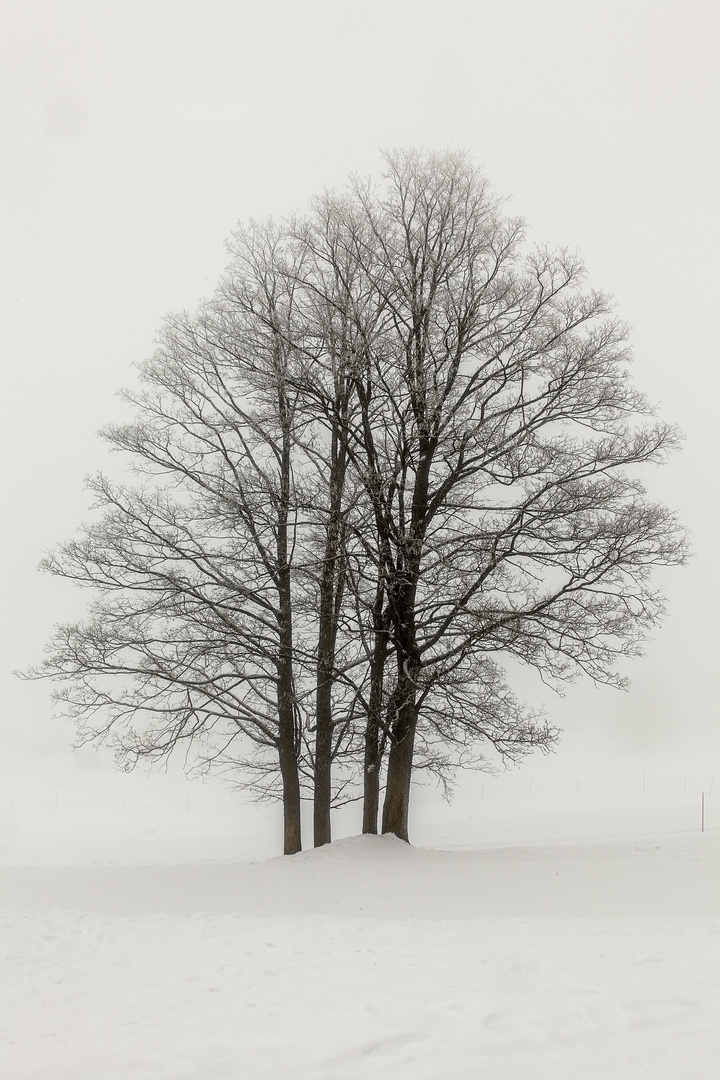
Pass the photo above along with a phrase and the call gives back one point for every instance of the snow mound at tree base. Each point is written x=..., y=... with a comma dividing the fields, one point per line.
x=382, y=877
x=373, y=959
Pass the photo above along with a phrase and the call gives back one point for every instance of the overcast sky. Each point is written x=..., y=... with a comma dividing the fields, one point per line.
x=136, y=134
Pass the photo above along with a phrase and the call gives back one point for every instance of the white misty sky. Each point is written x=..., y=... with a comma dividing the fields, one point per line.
x=136, y=134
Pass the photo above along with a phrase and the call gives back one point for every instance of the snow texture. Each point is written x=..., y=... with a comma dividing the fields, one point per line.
x=370, y=958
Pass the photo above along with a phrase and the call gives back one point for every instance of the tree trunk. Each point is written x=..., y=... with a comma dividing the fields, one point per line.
x=371, y=777
x=292, y=837
x=403, y=597
x=397, y=789
x=373, y=748
x=400, y=760
x=287, y=741
x=322, y=794
x=287, y=735
x=331, y=591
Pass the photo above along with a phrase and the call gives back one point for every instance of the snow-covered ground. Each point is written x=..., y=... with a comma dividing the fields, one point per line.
x=558, y=938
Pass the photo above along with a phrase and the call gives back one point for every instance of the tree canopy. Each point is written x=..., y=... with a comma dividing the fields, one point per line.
x=397, y=446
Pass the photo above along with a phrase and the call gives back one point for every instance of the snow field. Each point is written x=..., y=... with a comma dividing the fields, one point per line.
x=370, y=959
x=164, y=998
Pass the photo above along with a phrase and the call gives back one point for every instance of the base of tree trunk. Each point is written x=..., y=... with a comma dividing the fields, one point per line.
x=292, y=843
x=397, y=789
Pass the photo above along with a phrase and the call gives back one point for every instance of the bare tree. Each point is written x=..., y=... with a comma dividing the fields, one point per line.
x=191, y=638
x=497, y=438
x=396, y=447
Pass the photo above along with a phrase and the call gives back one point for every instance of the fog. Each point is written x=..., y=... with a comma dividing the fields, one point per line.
x=136, y=135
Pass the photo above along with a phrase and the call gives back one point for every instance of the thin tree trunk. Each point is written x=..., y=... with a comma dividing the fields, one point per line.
x=373, y=748
x=287, y=741
x=322, y=795
x=331, y=587
x=292, y=837
x=371, y=776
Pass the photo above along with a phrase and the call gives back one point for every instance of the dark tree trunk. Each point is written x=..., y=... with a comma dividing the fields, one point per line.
x=371, y=777
x=322, y=796
x=331, y=590
x=402, y=709
x=292, y=837
x=400, y=760
x=403, y=596
x=288, y=738
x=373, y=742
